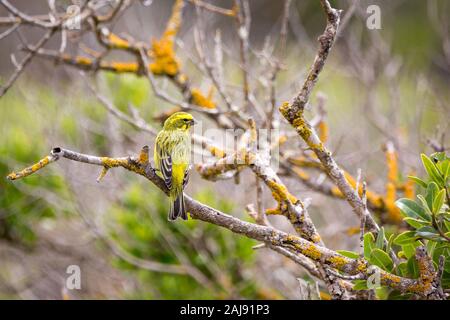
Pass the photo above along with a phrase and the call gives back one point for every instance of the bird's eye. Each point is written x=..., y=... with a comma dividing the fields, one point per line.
x=186, y=120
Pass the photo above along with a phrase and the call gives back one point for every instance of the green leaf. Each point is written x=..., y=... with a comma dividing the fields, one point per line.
x=416, y=223
x=348, y=254
x=380, y=239
x=390, y=242
x=369, y=244
x=443, y=249
x=445, y=169
x=397, y=295
x=438, y=156
x=418, y=181
x=403, y=269
x=432, y=190
x=429, y=233
x=425, y=205
x=410, y=208
x=446, y=222
x=360, y=285
x=431, y=245
x=438, y=201
x=381, y=259
x=405, y=238
x=431, y=169
x=413, y=267
x=410, y=249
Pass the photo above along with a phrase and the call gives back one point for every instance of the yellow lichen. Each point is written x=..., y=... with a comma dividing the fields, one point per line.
x=280, y=192
x=316, y=238
x=302, y=128
x=338, y=262
x=284, y=108
x=29, y=170
x=111, y=162
x=274, y=211
x=312, y=252
x=361, y=266
x=308, y=249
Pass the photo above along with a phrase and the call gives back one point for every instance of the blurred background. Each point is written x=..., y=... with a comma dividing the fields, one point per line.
x=390, y=84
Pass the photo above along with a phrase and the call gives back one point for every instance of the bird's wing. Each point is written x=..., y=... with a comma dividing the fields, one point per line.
x=186, y=177
x=165, y=166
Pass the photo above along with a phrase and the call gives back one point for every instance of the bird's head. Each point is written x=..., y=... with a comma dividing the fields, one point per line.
x=179, y=120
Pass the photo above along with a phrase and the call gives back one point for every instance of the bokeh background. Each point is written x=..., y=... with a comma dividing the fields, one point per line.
x=381, y=85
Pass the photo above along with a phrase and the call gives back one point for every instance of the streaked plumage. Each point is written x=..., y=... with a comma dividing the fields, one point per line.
x=172, y=156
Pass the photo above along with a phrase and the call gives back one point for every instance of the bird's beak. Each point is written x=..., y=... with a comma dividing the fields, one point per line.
x=193, y=121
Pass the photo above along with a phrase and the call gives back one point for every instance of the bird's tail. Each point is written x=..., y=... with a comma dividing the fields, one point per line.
x=177, y=208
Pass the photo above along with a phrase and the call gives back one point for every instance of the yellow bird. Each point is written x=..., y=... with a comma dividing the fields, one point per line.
x=172, y=158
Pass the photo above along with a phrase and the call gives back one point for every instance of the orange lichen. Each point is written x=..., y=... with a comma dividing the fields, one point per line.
x=282, y=139
x=324, y=296
x=82, y=60
x=391, y=162
x=121, y=66
x=393, y=211
x=300, y=173
x=165, y=61
x=304, y=162
x=353, y=230
x=216, y=152
x=409, y=188
x=391, y=186
x=118, y=42
x=373, y=198
x=163, y=53
x=390, y=278
x=143, y=155
x=322, y=128
x=203, y=101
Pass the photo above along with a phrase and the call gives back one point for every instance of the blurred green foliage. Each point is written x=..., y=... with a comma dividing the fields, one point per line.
x=140, y=227
x=22, y=205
